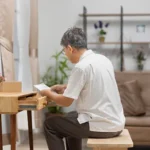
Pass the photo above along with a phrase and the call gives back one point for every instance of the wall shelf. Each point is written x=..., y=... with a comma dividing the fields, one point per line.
x=115, y=15
x=92, y=43
x=121, y=15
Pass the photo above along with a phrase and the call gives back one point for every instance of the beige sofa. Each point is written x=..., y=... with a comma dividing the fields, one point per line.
x=139, y=126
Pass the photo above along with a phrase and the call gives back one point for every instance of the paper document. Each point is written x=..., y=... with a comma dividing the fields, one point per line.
x=41, y=87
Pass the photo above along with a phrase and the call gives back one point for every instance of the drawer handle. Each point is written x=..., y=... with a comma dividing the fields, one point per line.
x=45, y=103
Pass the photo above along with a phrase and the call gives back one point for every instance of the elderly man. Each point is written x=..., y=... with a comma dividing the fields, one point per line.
x=99, y=113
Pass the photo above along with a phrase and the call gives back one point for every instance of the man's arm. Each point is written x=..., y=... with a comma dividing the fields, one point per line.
x=59, y=88
x=58, y=98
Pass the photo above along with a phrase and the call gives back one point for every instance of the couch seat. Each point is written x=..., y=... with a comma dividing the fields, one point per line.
x=142, y=121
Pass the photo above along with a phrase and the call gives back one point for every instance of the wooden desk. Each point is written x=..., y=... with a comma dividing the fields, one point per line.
x=12, y=103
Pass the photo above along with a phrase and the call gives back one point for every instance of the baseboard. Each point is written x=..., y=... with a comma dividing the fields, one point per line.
x=6, y=138
x=38, y=130
x=23, y=135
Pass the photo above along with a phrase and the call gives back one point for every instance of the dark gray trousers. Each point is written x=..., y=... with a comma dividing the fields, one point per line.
x=56, y=128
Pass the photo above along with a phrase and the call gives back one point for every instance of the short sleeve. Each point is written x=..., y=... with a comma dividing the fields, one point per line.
x=75, y=84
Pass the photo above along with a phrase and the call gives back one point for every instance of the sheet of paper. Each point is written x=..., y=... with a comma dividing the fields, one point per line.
x=41, y=87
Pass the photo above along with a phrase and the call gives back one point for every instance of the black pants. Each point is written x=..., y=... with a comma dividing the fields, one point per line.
x=56, y=128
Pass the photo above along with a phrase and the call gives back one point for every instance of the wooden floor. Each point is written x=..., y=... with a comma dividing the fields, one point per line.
x=40, y=144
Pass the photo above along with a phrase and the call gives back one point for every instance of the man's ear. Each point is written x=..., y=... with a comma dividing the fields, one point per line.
x=70, y=48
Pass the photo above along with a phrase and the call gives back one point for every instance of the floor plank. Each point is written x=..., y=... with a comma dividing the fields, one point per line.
x=40, y=144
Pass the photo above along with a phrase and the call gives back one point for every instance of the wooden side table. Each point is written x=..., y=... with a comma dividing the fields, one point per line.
x=12, y=100
x=13, y=131
x=30, y=102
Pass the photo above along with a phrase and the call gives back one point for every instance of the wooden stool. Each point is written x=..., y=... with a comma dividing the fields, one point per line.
x=122, y=142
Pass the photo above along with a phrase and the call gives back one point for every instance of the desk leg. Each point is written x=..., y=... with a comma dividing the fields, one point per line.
x=13, y=131
x=29, y=113
x=1, y=141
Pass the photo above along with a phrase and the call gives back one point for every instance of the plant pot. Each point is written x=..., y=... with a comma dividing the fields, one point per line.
x=140, y=66
x=102, y=39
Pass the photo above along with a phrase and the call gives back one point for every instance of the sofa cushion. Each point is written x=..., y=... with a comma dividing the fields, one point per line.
x=140, y=121
x=131, y=98
x=143, y=79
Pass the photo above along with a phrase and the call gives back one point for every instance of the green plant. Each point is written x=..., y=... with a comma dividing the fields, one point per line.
x=140, y=57
x=102, y=27
x=56, y=74
x=102, y=32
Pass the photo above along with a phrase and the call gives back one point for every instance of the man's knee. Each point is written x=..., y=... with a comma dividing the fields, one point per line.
x=51, y=121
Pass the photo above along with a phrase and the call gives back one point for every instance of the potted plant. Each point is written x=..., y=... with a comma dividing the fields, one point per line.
x=102, y=32
x=140, y=58
x=56, y=74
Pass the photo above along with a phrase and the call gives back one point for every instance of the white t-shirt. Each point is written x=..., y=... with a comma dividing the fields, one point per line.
x=92, y=84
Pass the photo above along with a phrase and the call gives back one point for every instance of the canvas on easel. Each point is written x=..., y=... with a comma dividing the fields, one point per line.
x=7, y=63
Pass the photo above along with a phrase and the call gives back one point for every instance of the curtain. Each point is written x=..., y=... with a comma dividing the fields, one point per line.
x=27, y=31
x=24, y=70
x=6, y=41
x=33, y=51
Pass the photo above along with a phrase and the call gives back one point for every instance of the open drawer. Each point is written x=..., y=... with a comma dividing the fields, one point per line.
x=34, y=102
x=14, y=102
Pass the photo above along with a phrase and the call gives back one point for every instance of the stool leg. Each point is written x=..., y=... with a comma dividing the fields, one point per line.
x=30, y=133
x=13, y=131
x=1, y=140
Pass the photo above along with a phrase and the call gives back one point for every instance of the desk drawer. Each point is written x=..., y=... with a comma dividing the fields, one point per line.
x=13, y=102
x=32, y=103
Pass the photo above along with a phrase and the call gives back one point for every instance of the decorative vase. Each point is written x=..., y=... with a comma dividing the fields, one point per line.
x=102, y=39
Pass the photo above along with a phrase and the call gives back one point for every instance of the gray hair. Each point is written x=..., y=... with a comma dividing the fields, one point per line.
x=74, y=37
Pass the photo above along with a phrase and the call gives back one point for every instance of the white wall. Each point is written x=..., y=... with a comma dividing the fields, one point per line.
x=5, y=124
x=55, y=17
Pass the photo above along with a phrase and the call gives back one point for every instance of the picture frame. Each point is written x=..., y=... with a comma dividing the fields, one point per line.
x=140, y=28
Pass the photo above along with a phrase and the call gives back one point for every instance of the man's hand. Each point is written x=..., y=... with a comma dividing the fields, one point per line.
x=59, y=88
x=46, y=92
x=58, y=98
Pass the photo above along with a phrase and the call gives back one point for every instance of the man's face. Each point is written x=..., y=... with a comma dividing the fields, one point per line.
x=69, y=52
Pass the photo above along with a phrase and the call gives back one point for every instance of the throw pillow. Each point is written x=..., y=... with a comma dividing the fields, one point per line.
x=131, y=98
